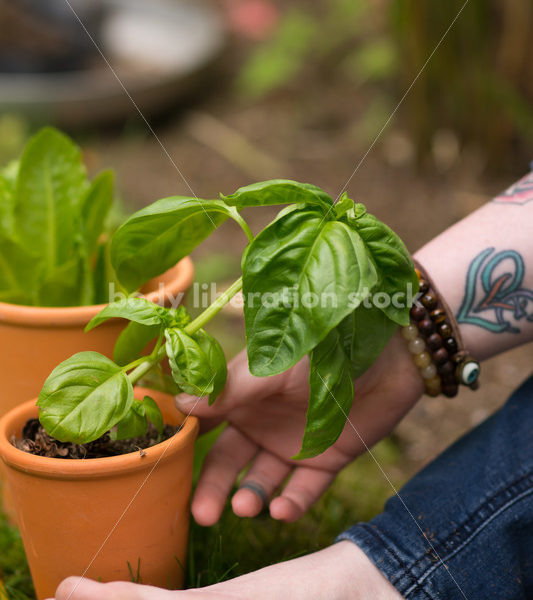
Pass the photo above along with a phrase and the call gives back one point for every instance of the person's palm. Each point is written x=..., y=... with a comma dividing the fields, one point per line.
x=266, y=418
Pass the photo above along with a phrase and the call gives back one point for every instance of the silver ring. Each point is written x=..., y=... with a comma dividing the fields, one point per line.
x=257, y=489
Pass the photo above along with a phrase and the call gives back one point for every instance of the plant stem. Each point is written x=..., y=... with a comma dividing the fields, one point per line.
x=244, y=225
x=150, y=361
x=214, y=308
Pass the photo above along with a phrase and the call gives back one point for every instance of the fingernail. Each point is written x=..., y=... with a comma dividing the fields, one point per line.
x=184, y=401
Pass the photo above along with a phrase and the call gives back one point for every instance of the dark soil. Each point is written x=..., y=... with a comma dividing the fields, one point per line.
x=36, y=441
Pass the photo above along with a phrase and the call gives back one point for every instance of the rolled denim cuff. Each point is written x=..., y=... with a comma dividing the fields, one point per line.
x=463, y=527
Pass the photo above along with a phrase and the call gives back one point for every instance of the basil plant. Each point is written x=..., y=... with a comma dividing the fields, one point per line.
x=311, y=281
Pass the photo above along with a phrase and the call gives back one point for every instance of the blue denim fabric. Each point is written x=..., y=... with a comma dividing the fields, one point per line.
x=465, y=526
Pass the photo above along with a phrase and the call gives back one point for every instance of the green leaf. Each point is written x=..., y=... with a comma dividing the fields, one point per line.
x=331, y=396
x=104, y=277
x=132, y=340
x=84, y=397
x=217, y=360
x=155, y=238
x=17, y=267
x=302, y=275
x=63, y=285
x=96, y=206
x=278, y=191
x=364, y=334
x=10, y=174
x=190, y=366
x=394, y=264
x=136, y=309
x=134, y=423
x=343, y=205
x=7, y=202
x=51, y=185
x=153, y=414
x=157, y=379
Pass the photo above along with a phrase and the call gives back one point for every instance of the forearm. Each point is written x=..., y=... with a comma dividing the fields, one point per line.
x=483, y=267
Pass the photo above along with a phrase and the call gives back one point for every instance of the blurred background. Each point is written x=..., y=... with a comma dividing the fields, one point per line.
x=235, y=91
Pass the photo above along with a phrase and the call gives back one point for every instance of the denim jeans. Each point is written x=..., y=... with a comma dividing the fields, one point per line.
x=463, y=527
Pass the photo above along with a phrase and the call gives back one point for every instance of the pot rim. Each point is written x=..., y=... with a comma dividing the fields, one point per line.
x=59, y=468
x=18, y=314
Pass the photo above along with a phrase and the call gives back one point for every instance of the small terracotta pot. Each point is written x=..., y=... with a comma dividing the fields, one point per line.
x=34, y=340
x=92, y=517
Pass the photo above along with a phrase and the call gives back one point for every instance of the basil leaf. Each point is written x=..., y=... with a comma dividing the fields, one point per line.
x=278, y=191
x=302, y=275
x=189, y=364
x=96, y=206
x=364, y=335
x=50, y=187
x=132, y=340
x=153, y=414
x=157, y=379
x=343, y=205
x=84, y=397
x=331, y=396
x=155, y=238
x=217, y=360
x=135, y=309
x=133, y=425
x=393, y=262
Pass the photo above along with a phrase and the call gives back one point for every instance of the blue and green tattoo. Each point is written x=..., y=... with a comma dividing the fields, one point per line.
x=495, y=297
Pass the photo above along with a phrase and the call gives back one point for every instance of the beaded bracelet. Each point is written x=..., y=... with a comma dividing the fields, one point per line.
x=436, y=344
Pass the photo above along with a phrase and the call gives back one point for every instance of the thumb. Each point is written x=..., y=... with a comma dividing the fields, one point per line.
x=241, y=388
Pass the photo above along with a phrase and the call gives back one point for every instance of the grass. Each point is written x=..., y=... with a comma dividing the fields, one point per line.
x=236, y=546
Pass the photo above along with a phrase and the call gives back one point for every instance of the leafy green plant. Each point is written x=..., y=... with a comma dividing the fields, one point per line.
x=51, y=223
x=308, y=281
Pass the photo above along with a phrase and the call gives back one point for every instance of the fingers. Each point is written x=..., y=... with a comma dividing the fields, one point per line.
x=241, y=387
x=269, y=472
x=303, y=489
x=78, y=588
x=228, y=456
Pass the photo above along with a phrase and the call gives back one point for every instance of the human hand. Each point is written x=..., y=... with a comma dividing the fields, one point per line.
x=266, y=418
x=340, y=572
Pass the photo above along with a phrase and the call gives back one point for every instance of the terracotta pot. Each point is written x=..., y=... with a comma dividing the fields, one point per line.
x=34, y=340
x=95, y=516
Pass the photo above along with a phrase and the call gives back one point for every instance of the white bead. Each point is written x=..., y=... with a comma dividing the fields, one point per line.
x=410, y=333
x=469, y=372
x=428, y=372
x=417, y=346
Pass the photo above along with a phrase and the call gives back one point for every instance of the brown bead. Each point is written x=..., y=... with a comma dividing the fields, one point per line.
x=438, y=316
x=426, y=326
x=423, y=286
x=451, y=345
x=458, y=358
x=450, y=389
x=449, y=380
x=418, y=313
x=434, y=341
x=433, y=386
x=446, y=369
x=440, y=356
x=445, y=330
x=429, y=301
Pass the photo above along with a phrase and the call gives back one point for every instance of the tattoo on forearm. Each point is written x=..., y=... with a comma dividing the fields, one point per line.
x=520, y=192
x=494, y=297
